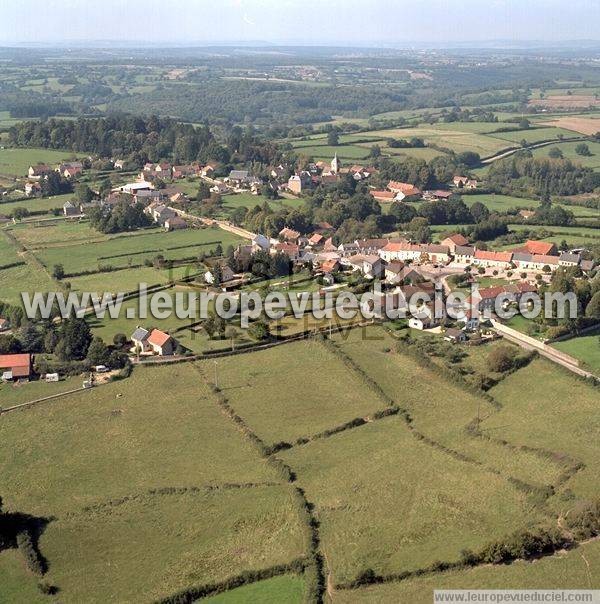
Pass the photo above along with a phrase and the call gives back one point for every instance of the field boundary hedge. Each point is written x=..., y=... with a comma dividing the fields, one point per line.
x=315, y=577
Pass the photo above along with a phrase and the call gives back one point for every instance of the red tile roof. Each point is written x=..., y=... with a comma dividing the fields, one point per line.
x=158, y=338
x=493, y=256
x=537, y=247
x=18, y=364
x=457, y=239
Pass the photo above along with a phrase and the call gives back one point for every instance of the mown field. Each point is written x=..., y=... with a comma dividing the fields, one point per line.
x=24, y=278
x=36, y=204
x=584, y=348
x=136, y=515
x=127, y=250
x=165, y=492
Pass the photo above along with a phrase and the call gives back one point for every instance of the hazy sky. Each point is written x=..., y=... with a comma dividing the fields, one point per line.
x=306, y=21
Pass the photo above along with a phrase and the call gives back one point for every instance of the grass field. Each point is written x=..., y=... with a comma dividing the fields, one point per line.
x=568, y=150
x=128, y=279
x=15, y=394
x=326, y=152
x=572, y=235
x=533, y=135
x=120, y=252
x=8, y=252
x=576, y=569
x=36, y=204
x=26, y=278
x=440, y=409
x=18, y=584
x=500, y=203
x=154, y=545
x=389, y=502
x=287, y=588
x=253, y=384
x=558, y=412
x=584, y=348
x=16, y=162
x=113, y=537
x=458, y=137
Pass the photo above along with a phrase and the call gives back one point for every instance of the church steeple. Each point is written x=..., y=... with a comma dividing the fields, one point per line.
x=335, y=164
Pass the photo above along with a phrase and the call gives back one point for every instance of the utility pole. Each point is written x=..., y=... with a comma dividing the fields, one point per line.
x=216, y=375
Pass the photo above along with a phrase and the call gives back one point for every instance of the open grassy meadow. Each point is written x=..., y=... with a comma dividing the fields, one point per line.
x=558, y=412
x=500, y=203
x=15, y=162
x=287, y=588
x=389, y=502
x=261, y=385
x=163, y=492
x=36, y=204
x=584, y=348
x=24, y=278
x=575, y=569
x=439, y=408
x=132, y=249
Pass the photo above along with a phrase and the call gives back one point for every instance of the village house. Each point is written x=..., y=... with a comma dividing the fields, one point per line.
x=424, y=318
x=330, y=267
x=393, y=270
x=371, y=246
x=488, y=259
x=484, y=299
x=400, y=251
x=316, y=241
x=291, y=249
x=226, y=275
x=435, y=253
x=161, y=343
x=15, y=367
x=371, y=266
x=175, y=223
x=183, y=171
x=455, y=335
x=135, y=187
x=155, y=342
x=464, y=182
x=568, y=259
x=239, y=177
x=455, y=240
x=220, y=188
x=405, y=191
x=119, y=164
x=464, y=254
x=542, y=248
x=383, y=196
x=438, y=195
x=260, y=242
x=38, y=171
x=32, y=189
x=70, y=210
x=289, y=235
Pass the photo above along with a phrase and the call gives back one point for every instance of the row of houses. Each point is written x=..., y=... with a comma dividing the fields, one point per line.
x=167, y=171
x=404, y=191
